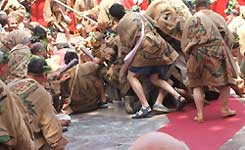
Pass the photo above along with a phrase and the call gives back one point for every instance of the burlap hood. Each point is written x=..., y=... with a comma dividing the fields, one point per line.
x=170, y=16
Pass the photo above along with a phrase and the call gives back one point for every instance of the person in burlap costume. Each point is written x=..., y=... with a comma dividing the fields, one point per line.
x=19, y=54
x=241, y=34
x=13, y=8
x=169, y=15
x=15, y=129
x=84, y=90
x=169, y=19
x=207, y=42
x=150, y=55
x=47, y=129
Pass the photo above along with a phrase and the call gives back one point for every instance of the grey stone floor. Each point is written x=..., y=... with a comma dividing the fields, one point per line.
x=113, y=129
x=109, y=129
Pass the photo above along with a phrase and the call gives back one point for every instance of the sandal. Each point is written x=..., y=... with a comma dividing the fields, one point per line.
x=142, y=113
x=160, y=108
x=180, y=103
x=228, y=113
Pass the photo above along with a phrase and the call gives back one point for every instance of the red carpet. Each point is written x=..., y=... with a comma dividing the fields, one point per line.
x=211, y=134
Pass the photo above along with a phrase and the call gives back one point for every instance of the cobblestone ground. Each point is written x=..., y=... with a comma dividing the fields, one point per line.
x=113, y=129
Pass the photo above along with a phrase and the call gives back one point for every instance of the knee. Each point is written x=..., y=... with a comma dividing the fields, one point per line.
x=130, y=76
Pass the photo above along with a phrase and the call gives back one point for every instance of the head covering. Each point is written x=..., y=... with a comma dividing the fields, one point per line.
x=202, y=3
x=16, y=37
x=117, y=11
x=37, y=47
x=39, y=33
x=38, y=66
x=19, y=58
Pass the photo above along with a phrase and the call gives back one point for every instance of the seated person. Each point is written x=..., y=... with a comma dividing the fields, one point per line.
x=47, y=129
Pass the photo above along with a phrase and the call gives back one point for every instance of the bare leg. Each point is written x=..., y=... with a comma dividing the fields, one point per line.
x=137, y=87
x=160, y=97
x=164, y=85
x=224, y=95
x=198, y=95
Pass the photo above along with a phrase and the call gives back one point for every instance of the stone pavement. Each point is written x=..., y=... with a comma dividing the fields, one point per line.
x=109, y=129
x=113, y=129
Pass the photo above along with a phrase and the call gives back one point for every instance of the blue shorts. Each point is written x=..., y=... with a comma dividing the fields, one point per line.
x=161, y=70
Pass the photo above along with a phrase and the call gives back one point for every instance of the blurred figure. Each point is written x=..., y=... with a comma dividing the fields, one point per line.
x=158, y=141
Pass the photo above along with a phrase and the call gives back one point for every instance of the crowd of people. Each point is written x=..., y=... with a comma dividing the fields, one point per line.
x=173, y=50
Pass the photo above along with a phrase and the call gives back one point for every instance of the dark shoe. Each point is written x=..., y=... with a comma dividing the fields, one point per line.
x=180, y=103
x=102, y=104
x=64, y=129
x=160, y=108
x=143, y=113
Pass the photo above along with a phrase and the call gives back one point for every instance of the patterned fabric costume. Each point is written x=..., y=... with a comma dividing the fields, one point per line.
x=170, y=16
x=153, y=50
x=18, y=60
x=81, y=87
x=15, y=132
x=207, y=42
x=47, y=129
x=19, y=54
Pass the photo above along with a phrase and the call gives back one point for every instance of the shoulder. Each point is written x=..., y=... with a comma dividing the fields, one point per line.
x=24, y=87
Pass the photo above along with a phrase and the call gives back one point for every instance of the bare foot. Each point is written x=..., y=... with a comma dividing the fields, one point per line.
x=199, y=118
x=228, y=113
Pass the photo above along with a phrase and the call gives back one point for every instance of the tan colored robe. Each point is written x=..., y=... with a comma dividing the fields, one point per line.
x=15, y=130
x=18, y=61
x=170, y=16
x=207, y=42
x=153, y=50
x=81, y=87
x=47, y=128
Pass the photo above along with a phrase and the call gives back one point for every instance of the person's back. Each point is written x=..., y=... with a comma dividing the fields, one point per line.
x=170, y=16
x=207, y=42
x=15, y=132
x=153, y=50
x=81, y=87
x=47, y=128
